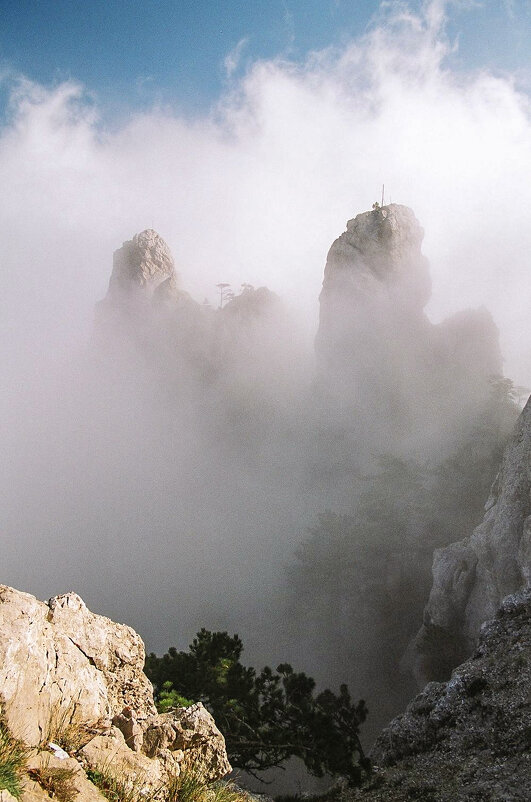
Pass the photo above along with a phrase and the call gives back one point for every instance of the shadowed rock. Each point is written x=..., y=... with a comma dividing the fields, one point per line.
x=472, y=576
x=468, y=738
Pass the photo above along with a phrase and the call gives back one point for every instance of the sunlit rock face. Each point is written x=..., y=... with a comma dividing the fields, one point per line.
x=380, y=359
x=144, y=276
x=63, y=666
x=143, y=262
x=471, y=577
x=377, y=261
x=143, y=288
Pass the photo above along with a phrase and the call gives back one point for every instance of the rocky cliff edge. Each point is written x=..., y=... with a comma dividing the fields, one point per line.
x=469, y=738
x=75, y=680
x=473, y=575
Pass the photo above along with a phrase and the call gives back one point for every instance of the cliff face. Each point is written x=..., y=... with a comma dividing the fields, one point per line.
x=471, y=576
x=60, y=653
x=376, y=262
x=469, y=738
x=143, y=280
x=74, y=679
x=372, y=324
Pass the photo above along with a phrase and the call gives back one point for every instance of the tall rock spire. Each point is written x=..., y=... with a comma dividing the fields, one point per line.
x=381, y=361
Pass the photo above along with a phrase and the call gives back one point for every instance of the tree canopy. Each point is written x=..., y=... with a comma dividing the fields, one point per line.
x=266, y=717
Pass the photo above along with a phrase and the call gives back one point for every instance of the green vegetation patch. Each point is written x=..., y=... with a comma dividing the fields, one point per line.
x=13, y=757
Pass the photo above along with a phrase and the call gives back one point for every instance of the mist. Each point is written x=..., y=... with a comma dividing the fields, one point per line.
x=166, y=466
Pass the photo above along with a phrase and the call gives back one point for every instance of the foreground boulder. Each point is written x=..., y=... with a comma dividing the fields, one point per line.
x=73, y=678
x=469, y=738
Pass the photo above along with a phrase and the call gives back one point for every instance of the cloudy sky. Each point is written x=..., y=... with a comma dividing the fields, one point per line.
x=130, y=53
x=247, y=134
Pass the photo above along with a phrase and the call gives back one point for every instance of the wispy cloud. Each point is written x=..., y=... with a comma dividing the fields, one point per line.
x=232, y=60
x=255, y=192
x=289, y=22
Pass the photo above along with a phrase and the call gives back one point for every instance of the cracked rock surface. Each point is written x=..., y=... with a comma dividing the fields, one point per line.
x=469, y=738
x=62, y=666
x=57, y=658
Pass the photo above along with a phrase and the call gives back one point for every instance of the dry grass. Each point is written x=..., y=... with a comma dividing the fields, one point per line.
x=13, y=757
x=58, y=782
x=65, y=729
x=119, y=788
x=189, y=787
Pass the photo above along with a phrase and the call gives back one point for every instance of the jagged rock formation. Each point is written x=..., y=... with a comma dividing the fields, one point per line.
x=143, y=277
x=379, y=356
x=69, y=675
x=375, y=286
x=376, y=260
x=469, y=738
x=143, y=262
x=59, y=654
x=471, y=577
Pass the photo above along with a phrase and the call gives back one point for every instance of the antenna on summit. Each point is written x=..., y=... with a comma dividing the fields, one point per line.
x=383, y=187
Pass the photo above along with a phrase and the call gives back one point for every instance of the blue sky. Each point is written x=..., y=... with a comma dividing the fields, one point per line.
x=133, y=54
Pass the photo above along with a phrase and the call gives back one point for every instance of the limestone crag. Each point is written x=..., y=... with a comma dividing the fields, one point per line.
x=379, y=253
x=58, y=656
x=376, y=283
x=143, y=262
x=69, y=675
x=80, y=785
x=472, y=576
x=469, y=738
x=378, y=355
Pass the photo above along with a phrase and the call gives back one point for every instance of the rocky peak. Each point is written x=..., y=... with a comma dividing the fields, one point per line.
x=379, y=252
x=379, y=357
x=144, y=262
x=376, y=283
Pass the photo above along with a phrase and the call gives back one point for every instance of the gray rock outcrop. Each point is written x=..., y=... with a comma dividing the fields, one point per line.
x=143, y=280
x=376, y=284
x=473, y=575
x=73, y=677
x=469, y=738
x=377, y=259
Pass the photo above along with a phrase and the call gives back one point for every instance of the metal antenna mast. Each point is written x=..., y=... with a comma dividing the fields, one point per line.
x=383, y=187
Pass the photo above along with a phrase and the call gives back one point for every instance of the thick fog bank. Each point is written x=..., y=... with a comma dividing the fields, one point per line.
x=166, y=458
x=171, y=471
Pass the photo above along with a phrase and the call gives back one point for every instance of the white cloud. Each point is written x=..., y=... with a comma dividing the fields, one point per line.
x=258, y=190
